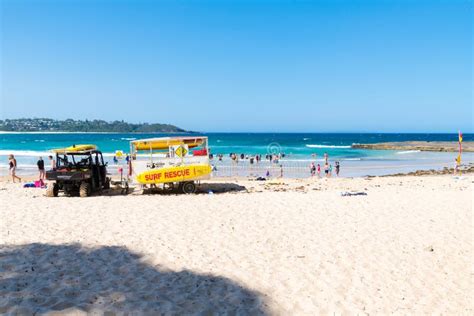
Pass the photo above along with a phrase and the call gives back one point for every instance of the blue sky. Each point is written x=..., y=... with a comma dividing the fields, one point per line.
x=308, y=66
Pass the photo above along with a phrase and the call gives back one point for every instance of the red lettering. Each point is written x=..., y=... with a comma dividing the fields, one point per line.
x=177, y=173
x=152, y=177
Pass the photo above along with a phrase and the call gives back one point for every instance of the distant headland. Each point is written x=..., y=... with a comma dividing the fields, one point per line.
x=84, y=126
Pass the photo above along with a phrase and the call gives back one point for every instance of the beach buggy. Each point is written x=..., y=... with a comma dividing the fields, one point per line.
x=170, y=162
x=80, y=170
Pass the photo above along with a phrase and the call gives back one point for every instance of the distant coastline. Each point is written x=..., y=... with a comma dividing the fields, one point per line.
x=65, y=132
x=47, y=125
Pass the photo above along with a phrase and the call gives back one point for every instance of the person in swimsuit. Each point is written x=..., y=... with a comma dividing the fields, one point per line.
x=326, y=169
x=53, y=162
x=319, y=170
x=312, y=169
x=12, y=165
x=338, y=166
x=40, y=165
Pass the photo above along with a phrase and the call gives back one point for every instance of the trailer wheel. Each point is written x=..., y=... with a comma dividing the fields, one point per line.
x=188, y=187
x=84, y=189
x=52, y=190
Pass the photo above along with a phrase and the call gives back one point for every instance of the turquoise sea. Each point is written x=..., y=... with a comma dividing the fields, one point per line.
x=300, y=149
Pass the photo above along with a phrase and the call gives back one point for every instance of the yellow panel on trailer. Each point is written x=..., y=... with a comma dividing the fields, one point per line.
x=174, y=174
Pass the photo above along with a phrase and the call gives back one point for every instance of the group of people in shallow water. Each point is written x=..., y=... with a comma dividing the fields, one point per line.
x=316, y=169
x=313, y=169
x=251, y=158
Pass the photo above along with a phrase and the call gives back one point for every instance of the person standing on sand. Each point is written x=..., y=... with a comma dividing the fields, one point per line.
x=456, y=166
x=312, y=169
x=337, y=168
x=281, y=171
x=330, y=170
x=12, y=165
x=40, y=164
x=319, y=170
x=52, y=162
x=326, y=169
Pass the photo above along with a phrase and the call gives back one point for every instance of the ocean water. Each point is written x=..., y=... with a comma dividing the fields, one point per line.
x=300, y=149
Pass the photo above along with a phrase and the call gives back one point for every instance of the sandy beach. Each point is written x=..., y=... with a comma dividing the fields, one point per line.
x=276, y=248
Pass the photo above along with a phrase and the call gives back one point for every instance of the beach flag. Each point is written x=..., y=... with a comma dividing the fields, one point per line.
x=458, y=160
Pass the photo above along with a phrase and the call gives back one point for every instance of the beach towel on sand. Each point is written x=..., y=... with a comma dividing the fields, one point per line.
x=352, y=193
x=36, y=184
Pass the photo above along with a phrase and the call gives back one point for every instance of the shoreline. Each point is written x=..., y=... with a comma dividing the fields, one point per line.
x=466, y=170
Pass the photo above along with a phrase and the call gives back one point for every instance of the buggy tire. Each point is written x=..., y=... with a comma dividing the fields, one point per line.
x=188, y=187
x=107, y=184
x=84, y=189
x=52, y=190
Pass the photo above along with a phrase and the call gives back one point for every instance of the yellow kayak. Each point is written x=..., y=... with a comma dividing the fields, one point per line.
x=174, y=174
x=75, y=148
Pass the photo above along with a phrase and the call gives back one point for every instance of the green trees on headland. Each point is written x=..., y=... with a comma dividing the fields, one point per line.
x=70, y=125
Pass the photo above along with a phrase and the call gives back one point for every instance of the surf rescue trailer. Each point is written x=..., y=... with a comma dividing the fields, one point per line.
x=170, y=162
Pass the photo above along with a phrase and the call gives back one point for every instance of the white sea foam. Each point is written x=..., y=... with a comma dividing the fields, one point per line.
x=408, y=152
x=27, y=153
x=128, y=138
x=325, y=146
x=34, y=153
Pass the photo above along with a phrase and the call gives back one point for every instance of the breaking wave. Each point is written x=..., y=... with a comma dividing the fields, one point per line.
x=408, y=152
x=326, y=146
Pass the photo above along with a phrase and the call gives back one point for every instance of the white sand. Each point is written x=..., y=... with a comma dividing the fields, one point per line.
x=405, y=247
